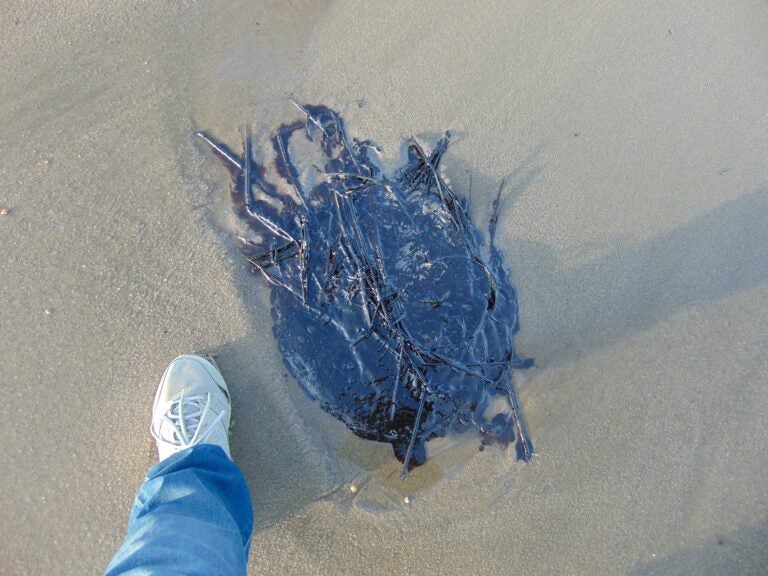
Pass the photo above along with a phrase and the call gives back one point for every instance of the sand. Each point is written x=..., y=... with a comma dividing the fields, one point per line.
x=633, y=140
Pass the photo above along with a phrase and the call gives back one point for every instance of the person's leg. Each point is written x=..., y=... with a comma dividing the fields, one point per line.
x=193, y=514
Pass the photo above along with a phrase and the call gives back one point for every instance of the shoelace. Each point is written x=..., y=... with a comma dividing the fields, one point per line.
x=184, y=416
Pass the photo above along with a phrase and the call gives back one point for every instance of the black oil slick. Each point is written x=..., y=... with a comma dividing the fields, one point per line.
x=385, y=311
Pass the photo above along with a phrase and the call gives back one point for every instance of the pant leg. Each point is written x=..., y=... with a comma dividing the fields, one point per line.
x=192, y=515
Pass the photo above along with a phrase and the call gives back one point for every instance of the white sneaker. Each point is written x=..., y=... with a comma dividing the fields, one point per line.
x=191, y=407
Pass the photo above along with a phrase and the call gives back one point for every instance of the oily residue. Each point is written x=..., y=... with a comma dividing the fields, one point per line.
x=384, y=308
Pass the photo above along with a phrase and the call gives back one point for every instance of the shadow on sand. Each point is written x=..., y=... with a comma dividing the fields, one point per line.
x=743, y=552
x=577, y=311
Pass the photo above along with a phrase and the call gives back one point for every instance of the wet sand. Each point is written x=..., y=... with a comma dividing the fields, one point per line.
x=633, y=141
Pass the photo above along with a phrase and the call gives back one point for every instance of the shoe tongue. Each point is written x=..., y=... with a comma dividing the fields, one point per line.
x=189, y=410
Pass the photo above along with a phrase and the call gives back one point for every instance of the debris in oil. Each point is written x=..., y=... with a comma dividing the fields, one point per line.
x=385, y=311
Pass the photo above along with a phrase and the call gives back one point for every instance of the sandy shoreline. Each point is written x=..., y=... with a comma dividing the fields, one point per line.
x=634, y=144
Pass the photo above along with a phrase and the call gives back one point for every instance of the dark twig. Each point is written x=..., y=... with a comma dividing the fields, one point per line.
x=416, y=424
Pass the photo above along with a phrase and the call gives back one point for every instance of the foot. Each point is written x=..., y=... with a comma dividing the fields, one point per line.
x=191, y=407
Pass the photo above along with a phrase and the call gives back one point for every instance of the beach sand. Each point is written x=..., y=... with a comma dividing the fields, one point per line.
x=633, y=141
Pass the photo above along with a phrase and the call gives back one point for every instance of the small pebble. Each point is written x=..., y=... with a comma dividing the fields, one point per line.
x=406, y=500
x=48, y=311
x=353, y=489
x=4, y=211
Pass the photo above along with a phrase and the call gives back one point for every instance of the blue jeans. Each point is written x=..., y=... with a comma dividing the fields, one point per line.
x=192, y=515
